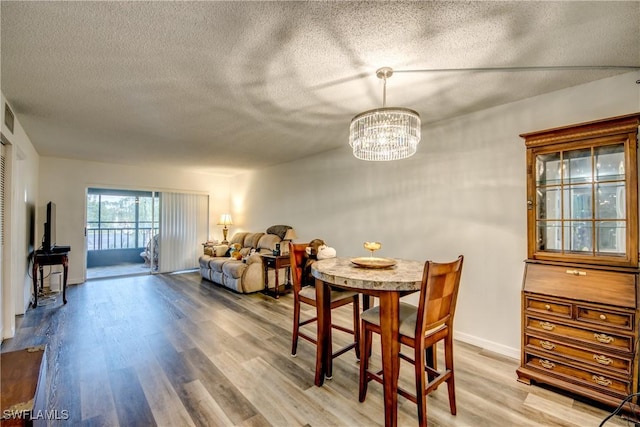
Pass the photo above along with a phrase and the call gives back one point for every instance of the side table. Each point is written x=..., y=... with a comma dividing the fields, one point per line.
x=41, y=259
x=275, y=262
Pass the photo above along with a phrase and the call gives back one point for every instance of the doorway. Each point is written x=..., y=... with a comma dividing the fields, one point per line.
x=120, y=230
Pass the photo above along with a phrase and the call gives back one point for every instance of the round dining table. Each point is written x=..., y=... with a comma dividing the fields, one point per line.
x=386, y=284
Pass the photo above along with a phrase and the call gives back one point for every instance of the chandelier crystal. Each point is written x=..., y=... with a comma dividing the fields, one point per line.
x=387, y=133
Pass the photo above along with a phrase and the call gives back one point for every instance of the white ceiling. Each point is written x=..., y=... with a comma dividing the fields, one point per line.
x=229, y=86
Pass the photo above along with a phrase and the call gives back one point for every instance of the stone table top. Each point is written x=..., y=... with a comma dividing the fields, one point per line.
x=404, y=276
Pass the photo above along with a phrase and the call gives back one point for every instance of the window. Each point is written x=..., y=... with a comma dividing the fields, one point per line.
x=120, y=219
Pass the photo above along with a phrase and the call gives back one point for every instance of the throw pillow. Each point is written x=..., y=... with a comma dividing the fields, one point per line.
x=220, y=250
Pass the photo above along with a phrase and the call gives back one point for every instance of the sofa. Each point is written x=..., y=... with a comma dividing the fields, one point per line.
x=247, y=274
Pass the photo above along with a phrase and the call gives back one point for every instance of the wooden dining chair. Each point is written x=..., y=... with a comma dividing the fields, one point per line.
x=304, y=293
x=421, y=328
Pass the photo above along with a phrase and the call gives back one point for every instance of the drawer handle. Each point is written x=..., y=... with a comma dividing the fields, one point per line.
x=547, y=307
x=549, y=345
x=600, y=380
x=547, y=326
x=577, y=273
x=548, y=365
x=602, y=359
x=605, y=339
x=603, y=317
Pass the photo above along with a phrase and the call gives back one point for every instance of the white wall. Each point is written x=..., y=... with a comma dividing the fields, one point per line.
x=21, y=195
x=65, y=182
x=462, y=193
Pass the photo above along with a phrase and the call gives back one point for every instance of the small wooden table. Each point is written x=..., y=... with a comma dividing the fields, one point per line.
x=276, y=262
x=42, y=258
x=386, y=284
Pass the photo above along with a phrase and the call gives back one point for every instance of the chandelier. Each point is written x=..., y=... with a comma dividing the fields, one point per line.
x=387, y=133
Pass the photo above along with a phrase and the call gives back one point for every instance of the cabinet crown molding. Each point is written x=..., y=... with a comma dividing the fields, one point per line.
x=598, y=128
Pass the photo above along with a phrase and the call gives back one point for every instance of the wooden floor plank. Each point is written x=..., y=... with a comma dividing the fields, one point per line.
x=163, y=400
x=177, y=350
x=131, y=404
x=96, y=397
x=206, y=406
x=563, y=413
x=228, y=397
x=178, y=339
x=247, y=382
x=297, y=407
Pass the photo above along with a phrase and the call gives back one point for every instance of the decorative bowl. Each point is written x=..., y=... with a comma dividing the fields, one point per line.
x=373, y=262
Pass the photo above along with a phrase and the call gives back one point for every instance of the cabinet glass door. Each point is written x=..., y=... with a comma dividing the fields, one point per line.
x=610, y=188
x=580, y=201
x=549, y=201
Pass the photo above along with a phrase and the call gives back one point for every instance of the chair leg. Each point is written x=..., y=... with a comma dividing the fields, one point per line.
x=366, y=305
x=356, y=324
x=365, y=351
x=430, y=354
x=296, y=328
x=431, y=361
x=448, y=358
x=329, y=374
x=421, y=396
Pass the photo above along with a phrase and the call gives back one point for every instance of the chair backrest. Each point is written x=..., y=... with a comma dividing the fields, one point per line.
x=298, y=260
x=438, y=294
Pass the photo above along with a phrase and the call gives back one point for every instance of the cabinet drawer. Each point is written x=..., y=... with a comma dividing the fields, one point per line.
x=616, y=364
x=591, y=285
x=550, y=307
x=563, y=369
x=605, y=317
x=603, y=339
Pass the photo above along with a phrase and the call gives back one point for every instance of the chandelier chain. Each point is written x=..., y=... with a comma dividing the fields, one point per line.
x=384, y=92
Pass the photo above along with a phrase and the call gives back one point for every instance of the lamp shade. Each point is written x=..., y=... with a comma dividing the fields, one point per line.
x=388, y=133
x=290, y=234
x=225, y=219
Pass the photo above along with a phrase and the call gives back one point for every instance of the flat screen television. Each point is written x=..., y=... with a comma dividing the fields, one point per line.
x=49, y=239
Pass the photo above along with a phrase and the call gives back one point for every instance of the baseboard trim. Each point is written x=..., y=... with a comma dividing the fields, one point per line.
x=489, y=345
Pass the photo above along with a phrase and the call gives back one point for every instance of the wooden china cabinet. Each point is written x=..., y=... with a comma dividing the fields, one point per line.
x=580, y=299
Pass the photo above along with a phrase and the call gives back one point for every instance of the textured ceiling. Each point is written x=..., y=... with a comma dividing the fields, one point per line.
x=231, y=86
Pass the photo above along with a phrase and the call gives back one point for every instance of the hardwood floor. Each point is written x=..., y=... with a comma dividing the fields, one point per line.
x=175, y=350
x=122, y=269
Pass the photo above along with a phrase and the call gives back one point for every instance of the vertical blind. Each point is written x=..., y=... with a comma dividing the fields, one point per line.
x=183, y=228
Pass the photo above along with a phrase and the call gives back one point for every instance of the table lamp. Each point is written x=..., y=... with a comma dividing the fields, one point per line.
x=225, y=219
x=288, y=236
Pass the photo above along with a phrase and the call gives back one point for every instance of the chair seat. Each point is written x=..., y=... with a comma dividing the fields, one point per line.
x=310, y=293
x=408, y=315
